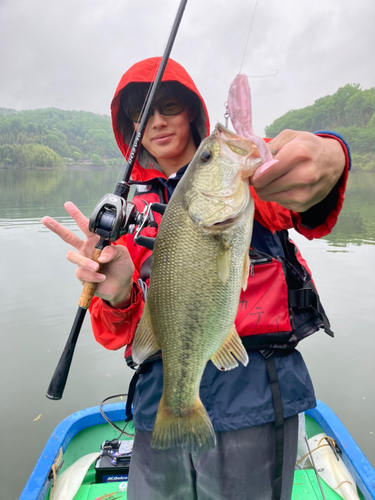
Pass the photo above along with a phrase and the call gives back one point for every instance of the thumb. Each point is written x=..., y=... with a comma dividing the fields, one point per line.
x=280, y=140
x=113, y=252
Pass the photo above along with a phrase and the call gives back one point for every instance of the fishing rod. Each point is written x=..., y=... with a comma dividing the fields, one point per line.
x=113, y=217
x=315, y=469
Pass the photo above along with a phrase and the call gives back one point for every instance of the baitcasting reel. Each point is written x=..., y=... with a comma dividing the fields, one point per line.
x=113, y=217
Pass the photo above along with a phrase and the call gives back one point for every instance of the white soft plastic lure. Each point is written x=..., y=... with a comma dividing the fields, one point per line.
x=239, y=107
x=332, y=469
x=70, y=480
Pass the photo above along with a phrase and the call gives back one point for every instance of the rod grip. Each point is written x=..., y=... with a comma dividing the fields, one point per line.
x=57, y=385
x=89, y=288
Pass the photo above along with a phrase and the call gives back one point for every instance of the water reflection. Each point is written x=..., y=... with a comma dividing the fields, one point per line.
x=356, y=224
x=34, y=194
x=26, y=196
x=39, y=294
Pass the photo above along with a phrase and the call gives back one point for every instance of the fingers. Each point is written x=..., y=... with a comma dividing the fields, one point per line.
x=307, y=170
x=82, y=261
x=296, y=155
x=108, y=254
x=87, y=268
x=84, y=275
x=65, y=234
x=81, y=221
x=281, y=139
x=116, y=278
x=112, y=252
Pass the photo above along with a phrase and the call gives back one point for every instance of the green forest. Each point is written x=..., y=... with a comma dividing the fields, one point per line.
x=350, y=112
x=50, y=138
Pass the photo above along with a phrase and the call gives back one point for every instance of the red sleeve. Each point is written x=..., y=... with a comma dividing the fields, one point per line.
x=276, y=218
x=328, y=210
x=115, y=328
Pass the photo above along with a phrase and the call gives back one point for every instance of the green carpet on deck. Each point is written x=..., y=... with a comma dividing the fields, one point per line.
x=93, y=491
x=305, y=485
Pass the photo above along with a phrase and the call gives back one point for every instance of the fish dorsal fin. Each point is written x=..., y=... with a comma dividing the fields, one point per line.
x=145, y=343
x=223, y=259
x=225, y=358
x=246, y=269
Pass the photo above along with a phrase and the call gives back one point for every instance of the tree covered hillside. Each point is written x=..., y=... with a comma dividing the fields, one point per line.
x=45, y=137
x=350, y=112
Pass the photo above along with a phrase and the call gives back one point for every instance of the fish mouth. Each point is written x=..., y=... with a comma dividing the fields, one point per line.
x=238, y=149
x=226, y=222
x=220, y=129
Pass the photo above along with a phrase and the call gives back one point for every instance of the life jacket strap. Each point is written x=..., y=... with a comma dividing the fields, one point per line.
x=141, y=369
x=131, y=391
x=308, y=297
x=269, y=360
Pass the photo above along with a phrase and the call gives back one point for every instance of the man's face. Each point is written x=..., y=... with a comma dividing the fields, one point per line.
x=169, y=137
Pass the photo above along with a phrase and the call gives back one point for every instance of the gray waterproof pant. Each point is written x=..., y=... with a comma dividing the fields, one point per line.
x=240, y=467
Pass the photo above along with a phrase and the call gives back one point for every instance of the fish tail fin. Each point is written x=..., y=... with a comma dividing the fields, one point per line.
x=191, y=430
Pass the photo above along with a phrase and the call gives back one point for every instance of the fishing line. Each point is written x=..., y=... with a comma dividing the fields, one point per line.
x=248, y=36
x=128, y=149
x=315, y=469
x=262, y=76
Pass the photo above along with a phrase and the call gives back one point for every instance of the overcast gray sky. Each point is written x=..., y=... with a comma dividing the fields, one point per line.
x=71, y=54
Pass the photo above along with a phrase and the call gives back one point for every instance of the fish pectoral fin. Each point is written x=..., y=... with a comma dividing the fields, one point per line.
x=246, y=269
x=225, y=358
x=223, y=260
x=145, y=343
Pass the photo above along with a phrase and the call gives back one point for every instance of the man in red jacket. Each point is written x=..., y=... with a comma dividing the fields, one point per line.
x=304, y=190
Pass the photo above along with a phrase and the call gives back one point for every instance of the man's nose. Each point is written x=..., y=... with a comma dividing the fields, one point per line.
x=156, y=118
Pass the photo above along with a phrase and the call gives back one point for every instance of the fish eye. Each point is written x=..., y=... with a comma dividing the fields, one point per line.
x=206, y=155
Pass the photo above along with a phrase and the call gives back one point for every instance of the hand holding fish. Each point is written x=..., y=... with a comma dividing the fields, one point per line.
x=309, y=167
x=115, y=282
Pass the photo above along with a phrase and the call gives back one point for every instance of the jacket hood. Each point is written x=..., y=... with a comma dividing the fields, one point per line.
x=146, y=166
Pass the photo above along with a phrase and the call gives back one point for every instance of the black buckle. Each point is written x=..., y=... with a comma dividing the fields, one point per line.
x=266, y=353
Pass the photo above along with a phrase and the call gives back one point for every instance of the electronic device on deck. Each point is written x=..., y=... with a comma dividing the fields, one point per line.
x=114, y=461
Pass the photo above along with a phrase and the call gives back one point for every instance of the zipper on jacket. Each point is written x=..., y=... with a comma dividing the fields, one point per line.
x=256, y=261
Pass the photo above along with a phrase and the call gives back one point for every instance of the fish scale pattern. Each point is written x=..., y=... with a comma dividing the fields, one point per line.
x=191, y=303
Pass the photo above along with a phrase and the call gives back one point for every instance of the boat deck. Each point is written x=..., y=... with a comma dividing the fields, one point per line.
x=305, y=486
x=84, y=432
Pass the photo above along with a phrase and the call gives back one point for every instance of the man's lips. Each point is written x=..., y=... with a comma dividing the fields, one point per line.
x=162, y=138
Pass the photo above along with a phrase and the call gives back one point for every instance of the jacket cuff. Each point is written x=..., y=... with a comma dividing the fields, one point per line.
x=320, y=219
x=115, y=328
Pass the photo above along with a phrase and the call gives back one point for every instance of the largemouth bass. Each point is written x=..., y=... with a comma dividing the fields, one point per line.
x=200, y=263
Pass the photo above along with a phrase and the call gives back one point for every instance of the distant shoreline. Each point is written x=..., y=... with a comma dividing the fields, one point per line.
x=71, y=166
x=85, y=166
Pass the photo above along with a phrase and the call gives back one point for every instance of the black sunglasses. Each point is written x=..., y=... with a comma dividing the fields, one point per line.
x=167, y=106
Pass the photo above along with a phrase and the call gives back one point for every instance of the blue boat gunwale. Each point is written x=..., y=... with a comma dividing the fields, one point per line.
x=357, y=463
x=37, y=485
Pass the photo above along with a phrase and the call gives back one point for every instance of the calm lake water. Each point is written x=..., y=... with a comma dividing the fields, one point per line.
x=39, y=295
